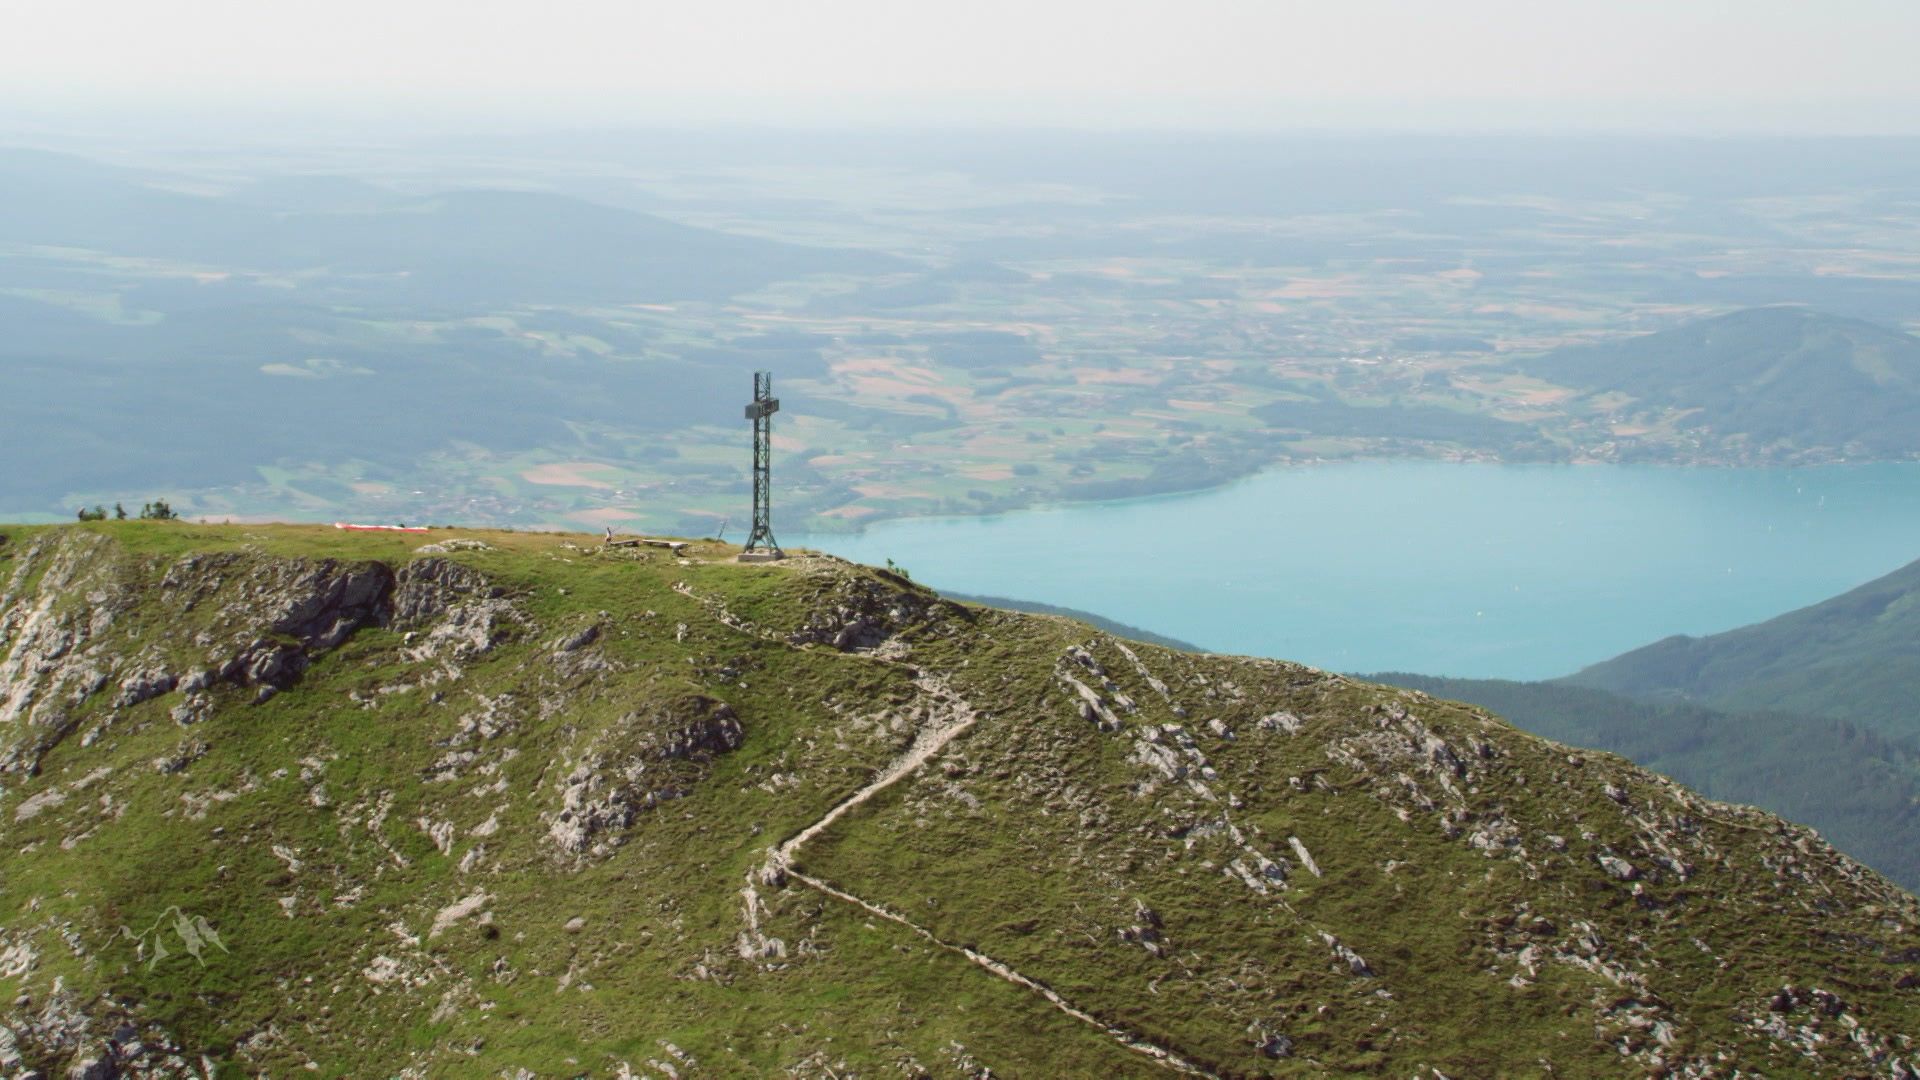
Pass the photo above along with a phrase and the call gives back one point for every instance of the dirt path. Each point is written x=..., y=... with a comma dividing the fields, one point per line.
x=1125, y=1038
x=952, y=715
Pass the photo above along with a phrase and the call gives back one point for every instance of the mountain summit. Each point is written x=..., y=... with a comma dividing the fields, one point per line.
x=280, y=798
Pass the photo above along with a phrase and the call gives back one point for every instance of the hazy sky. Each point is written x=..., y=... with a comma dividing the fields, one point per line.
x=1805, y=65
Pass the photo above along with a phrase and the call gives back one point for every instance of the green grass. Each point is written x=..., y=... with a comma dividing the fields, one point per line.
x=1032, y=837
x=1860, y=789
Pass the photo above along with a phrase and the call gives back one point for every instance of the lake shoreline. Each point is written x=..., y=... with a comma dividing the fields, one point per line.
x=1459, y=569
x=880, y=518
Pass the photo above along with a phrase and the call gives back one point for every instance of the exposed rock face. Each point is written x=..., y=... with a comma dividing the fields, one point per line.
x=467, y=614
x=857, y=612
x=97, y=1044
x=322, y=603
x=428, y=587
x=664, y=752
x=577, y=640
x=249, y=623
x=49, y=663
x=143, y=686
x=94, y=1062
x=694, y=728
x=271, y=618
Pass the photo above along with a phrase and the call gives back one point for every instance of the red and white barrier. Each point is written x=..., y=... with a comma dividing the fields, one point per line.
x=379, y=528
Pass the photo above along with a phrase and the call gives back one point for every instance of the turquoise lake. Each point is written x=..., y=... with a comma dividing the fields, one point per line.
x=1508, y=571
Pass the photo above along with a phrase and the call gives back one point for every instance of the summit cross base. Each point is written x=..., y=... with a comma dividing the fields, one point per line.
x=761, y=546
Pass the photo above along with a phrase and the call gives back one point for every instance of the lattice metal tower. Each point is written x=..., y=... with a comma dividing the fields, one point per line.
x=761, y=413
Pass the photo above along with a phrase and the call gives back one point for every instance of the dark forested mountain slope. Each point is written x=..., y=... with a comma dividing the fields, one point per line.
x=1855, y=656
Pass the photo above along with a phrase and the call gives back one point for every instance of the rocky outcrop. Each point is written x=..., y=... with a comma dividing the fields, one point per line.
x=864, y=611
x=60, y=1037
x=310, y=608
x=322, y=603
x=694, y=728
x=664, y=752
x=54, y=606
x=234, y=620
x=465, y=614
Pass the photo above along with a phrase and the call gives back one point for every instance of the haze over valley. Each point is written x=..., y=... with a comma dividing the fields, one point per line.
x=1240, y=538
x=553, y=331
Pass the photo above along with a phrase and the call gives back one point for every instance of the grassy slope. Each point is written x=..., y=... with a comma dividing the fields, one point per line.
x=1855, y=657
x=653, y=916
x=1035, y=836
x=1860, y=790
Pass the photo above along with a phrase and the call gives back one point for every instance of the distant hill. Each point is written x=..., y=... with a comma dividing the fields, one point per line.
x=1781, y=377
x=1854, y=657
x=317, y=299
x=1861, y=790
x=363, y=244
x=248, y=379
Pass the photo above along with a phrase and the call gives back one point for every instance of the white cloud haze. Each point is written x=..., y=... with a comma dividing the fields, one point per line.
x=1839, y=65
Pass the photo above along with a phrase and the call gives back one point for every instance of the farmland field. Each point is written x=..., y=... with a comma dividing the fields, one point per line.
x=563, y=335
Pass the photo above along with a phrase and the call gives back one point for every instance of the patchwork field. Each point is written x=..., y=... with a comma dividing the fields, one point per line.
x=565, y=341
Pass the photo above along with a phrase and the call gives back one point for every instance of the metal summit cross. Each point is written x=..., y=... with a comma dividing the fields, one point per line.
x=761, y=413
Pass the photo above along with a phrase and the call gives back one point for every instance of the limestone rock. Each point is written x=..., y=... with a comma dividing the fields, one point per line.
x=94, y=1062
x=143, y=685
x=665, y=750
x=860, y=612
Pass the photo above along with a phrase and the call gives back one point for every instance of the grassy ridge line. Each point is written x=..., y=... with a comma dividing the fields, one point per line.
x=1099, y=622
x=1129, y=827
x=359, y=973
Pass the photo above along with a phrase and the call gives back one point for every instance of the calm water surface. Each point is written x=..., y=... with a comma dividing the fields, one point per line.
x=1512, y=571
